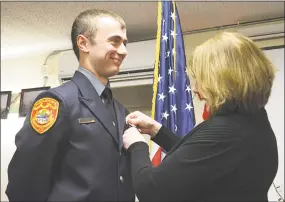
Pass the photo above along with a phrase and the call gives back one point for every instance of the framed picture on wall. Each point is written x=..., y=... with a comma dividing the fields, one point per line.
x=27, y=98
x=5, y=103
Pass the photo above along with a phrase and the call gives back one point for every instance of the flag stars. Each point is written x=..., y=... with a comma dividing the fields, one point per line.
x=172, y=33
x=188, y=106
x=164, y=115
x=159, y=78
x=173, y=108
x=173, y=51
x=161, y=96
x=168, y=54
x=173, y=16
x=164, y=37
x=172, y=89
x=188, y=89
x=170, y=70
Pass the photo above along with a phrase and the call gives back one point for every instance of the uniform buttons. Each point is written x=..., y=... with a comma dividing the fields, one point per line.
x=114, y=123
x=121, y=179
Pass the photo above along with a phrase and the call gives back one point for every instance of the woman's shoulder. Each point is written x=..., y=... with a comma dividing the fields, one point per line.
x=218, y=127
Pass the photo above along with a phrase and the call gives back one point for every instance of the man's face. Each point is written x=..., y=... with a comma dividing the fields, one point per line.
x=109, y=48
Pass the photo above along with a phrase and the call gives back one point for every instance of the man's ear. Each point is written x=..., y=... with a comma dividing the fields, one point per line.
x=83, y=43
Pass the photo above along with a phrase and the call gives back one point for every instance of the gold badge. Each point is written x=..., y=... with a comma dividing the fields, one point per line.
x=44, y=114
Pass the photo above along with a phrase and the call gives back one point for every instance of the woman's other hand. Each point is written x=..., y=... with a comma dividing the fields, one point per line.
x=143, y=123
x=131, y=136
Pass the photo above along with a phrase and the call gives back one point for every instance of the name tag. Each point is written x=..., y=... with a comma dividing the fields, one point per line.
x=86, y=120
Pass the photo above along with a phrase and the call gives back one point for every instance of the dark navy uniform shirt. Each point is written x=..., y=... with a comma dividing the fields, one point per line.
x=69, y=149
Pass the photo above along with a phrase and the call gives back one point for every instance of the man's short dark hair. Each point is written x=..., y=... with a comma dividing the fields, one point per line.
x=85, y=24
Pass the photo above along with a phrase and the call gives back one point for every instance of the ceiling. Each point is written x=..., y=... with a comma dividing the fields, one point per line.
x=42, y=27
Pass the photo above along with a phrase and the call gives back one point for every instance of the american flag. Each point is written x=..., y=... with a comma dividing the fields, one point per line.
x=172, y=103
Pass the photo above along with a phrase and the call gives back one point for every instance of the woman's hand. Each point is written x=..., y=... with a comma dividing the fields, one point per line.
x=144, y=123
x=131, y=136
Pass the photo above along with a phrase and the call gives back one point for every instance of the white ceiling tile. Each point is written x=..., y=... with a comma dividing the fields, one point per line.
x=43, y=26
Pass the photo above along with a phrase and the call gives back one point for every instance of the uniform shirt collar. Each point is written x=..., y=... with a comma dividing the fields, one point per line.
x=97, y=84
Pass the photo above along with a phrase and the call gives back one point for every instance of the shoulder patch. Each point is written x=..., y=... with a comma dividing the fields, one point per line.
x=44, y=114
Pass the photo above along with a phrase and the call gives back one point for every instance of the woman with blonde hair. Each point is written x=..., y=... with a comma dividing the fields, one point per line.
x=232, y=156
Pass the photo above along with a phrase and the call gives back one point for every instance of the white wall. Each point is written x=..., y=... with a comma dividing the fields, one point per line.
x=26, y=73
x=275, y=110
x=20, y=73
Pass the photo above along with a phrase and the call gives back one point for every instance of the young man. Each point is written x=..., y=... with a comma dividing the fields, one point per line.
x=70, y=147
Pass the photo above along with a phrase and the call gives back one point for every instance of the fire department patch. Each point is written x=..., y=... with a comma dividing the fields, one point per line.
x=44, y=114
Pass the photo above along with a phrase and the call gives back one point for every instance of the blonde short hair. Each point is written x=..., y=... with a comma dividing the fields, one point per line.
x=231, y=69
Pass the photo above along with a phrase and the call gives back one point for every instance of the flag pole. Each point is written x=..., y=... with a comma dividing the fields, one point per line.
x=157, y=54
